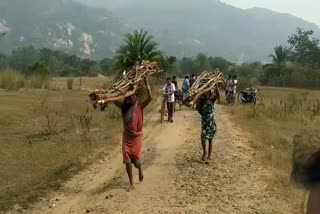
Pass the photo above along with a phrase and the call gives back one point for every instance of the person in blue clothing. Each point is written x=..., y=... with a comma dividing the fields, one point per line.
x=186, y=85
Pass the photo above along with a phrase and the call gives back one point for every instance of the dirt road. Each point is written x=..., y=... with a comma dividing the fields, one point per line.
x=176, y=181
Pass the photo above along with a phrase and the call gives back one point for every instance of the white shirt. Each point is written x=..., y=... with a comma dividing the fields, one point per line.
x=169, y=90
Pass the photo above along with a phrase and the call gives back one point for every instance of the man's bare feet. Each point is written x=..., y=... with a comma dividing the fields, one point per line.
x=141, y=176
x=130, y=188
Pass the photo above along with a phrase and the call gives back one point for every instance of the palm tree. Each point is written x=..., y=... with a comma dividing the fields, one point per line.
x=279, y=59
x=139, y=46
x=281, y=55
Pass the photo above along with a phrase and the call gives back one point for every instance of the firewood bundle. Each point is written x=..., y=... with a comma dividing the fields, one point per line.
x=126, y=86
x=207, y=81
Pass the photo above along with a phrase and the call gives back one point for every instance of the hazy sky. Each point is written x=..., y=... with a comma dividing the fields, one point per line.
x=306, y=9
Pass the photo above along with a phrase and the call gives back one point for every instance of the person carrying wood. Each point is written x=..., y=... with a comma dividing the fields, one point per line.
x=205, y=107
x=132, y=114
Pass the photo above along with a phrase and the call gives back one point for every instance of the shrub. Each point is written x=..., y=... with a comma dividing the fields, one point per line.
x=11, y=80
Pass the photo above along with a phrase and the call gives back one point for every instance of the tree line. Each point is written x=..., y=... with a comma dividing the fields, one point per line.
x=296, y=64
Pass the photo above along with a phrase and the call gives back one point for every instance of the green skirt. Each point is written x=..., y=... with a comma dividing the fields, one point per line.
x=208, y=127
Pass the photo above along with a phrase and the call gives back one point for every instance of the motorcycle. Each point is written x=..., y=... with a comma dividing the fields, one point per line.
x=249, y=95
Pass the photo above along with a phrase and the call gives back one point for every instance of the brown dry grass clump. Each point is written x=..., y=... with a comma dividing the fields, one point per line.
x=273, y=124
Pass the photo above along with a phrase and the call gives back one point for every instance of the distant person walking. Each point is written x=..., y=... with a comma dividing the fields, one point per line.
x=229, y=85
x=132, y=115
x=205, y=107
x=185, y=85
x=174, y=81
x=168, y=91
x=192, y=80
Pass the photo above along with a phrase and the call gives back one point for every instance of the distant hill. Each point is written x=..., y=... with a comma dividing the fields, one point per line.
x=60, y=24
x=210, y=26
x=183, y=28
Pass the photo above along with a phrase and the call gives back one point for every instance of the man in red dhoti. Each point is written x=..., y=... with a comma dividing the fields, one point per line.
x=132, y=113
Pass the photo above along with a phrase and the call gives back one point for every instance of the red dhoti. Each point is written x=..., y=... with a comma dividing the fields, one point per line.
x=132, y=135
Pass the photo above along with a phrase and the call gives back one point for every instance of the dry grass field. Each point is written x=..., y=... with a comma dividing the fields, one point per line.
x=81, y=83
x=46, y=136
x=273, y=123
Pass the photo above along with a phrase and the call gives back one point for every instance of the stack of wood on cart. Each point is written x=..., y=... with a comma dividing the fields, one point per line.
x=206, y=82
x=126, y=86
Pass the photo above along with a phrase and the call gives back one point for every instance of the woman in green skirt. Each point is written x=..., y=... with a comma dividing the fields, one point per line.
x=205, y=107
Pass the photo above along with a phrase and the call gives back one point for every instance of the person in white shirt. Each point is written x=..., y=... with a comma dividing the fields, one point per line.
x=168, y=92
x=234, y=84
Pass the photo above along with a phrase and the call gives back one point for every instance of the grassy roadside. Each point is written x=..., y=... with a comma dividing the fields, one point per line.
x=47, y=136
x=273, y=123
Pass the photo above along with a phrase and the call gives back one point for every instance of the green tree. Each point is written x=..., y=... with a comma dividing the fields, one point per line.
x=281, y=55
x=105, y=65
x=168, y=65
x=279, y=58
x=41, y=70
x=201, y=63
x=88, y=68
x=3, y=61
x=172, y=59
x=22, y=59
x=305, y=48
x=186, y=65
x=196, y=67
x=139, y=46
x=277, y=68
x=219, y=62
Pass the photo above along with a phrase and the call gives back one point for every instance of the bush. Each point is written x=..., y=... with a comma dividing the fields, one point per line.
x=11, y=80
x=294, y=75
x=36, y=81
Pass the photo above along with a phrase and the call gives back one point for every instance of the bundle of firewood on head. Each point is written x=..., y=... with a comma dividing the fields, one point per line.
x=126, y=86
x=206, y=82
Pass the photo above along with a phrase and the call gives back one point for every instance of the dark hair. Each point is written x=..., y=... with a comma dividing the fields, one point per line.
x=187, y=77
x=173, y=77
x=203, y=99
x=168, y=78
